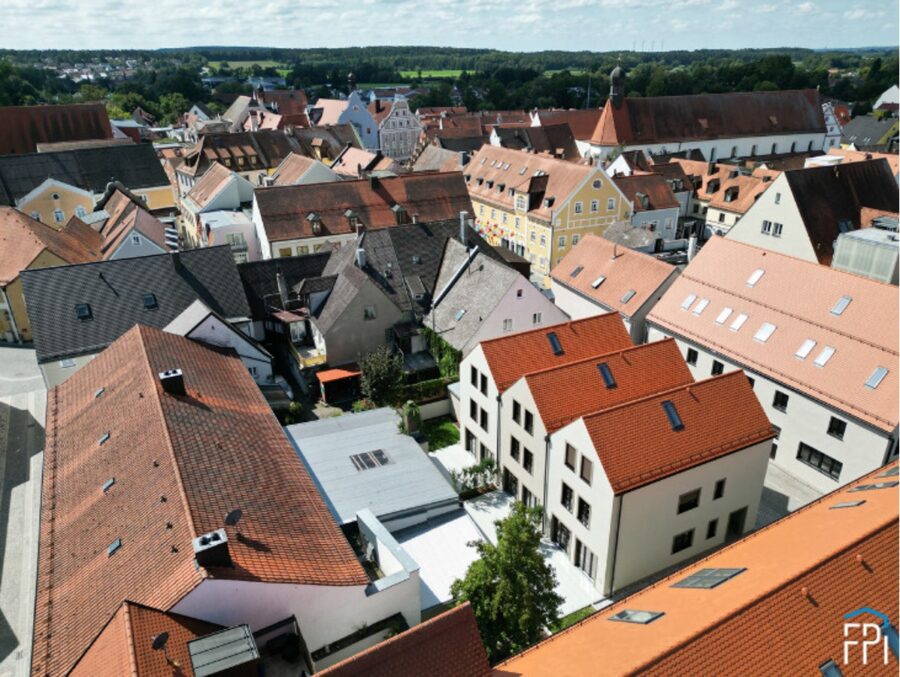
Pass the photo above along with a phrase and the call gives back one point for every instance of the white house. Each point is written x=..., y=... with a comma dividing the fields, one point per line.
x=597, y=277
x=398, y=128
x=351, y=110
x=819, y=345
x=737, y=192
x=218, y=189
x=654, y=206
x=890, y=95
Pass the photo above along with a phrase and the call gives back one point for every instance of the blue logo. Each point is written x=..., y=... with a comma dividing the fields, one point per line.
x=880, y=636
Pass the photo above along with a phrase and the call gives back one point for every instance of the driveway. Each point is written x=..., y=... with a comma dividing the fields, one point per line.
x=22, y=409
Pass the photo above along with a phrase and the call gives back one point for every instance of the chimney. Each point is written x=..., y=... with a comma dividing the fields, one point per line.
x=643, y=199
x=373, y=182
x=360, y=257
x=172, y=381
x=359, y=171
x=377, y=105
x=282, y=289
x=463, y=158
x=615, y=250
x=710, y=168
x=462, y=226
x=211, y=549
x=254, y=121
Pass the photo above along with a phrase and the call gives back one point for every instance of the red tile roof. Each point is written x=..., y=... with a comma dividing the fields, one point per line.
x=654, y=186
x=126, y=216
x=637, y=445
x=180, y=464
x=511, y=357
x=782, y=615
x=448, y=645
x=581, y=122
x=434, y=197
x=22, y=128
x=624, y=270
x=564, y=393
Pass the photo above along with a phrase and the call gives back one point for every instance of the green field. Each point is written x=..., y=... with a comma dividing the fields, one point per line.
x=573, y=71
x=431, y=74
x=244, y=64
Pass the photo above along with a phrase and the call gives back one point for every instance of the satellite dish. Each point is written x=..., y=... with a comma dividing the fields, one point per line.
x=159, y=642
x=232, y=518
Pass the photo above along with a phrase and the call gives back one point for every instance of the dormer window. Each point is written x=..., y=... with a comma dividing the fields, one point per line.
x=315, y=222
x=83, y=312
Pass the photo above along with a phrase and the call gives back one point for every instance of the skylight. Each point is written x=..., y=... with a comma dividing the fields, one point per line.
x=628, y=295
x=846, y=504
x=99, y=392
x=113, y=547
x=876, y=378
x=841, y=305
x=879, y=485
x=103, y=438
x=708, y=578
x=459, y=314
x=636, y=616
x=755, y=277
x=891, y=472
x=600, y=280
x=738, y=322
x=150, y=302
x=804, y=350
x=688, y=301
x=83, y=311
x=764, y=332
x=701, y=306
x=724, y=315
x=554, y=343
x=824, y=356
x=672, y=414
x=107, y=485
x=575, y=272
x=606, y=373
x=369, y=459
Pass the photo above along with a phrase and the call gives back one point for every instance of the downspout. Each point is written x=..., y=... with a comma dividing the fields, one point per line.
x=546, y=481
x=12, y=317
x=612, y=573
x=497, y=447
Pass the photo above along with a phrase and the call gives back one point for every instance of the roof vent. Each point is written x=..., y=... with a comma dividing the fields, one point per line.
x=211, y=549
x=172, y=381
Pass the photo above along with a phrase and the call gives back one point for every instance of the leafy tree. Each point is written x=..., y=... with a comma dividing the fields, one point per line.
x=172, y=106
x=510, y=586
x=382, y=376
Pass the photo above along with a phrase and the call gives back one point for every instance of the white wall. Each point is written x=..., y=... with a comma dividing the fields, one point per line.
x=212, y=331
x=135, y=244
x=488, y=402
x=666, y=221
x=221, y=224
x=55, y=372
x=534, y=442
x=715, y=226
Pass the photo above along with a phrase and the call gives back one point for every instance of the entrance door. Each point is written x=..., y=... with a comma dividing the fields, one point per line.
x=735, y=528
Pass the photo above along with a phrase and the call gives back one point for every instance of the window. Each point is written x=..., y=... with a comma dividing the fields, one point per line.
x=804, y=350
x=628, y=295
x=80, y=212
x=150, y=302
x=36, y=216
x=776, y=229
x=688, y=501
x=567, y=497
x=597, y=184
x=585, y=559
x=519, y=293
x=527, y=460
x=837, y=428
x=600, y=280
x=777, y=195
x=738, y=322
x=571, y=457
x=58, y=215
x=507, y=325
x=755, y=277
x=483, y=420
x=824, y=356
x=719, y=491
x=527, y=498
x=691, y=357
x=717, y=368
x=682, y=541
x=575, y=239
x=473, y=376
x=700, y=307
x=636, y=616
x=517, y=411
x=369, y=313
x=821, y=462
x=514, y=448
x=774, y=449
x=688, y=301
x=595, y=206
x=136, y=240
x=721, y=217
x=561, y=242
x=536, y=318
x=723, y=316
x=610, y=204
x=712, y=528
x=484, y=384
x=841, y=305
x=284, y=252
x=780, y=401
x=560, y=534
x=579, y=207
x=764, y=332
x=587, y=469
x=83, y=312
x=529, y=422
x=584, y=513
x=876, y=378
x=54, y=196
x=708, y=578
x=473, y=410
x=766, y=227
x=606, y=374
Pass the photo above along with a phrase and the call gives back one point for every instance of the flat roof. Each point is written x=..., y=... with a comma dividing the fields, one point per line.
x=341, y=455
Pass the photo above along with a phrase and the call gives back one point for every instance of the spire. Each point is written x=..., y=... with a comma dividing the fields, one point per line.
x=617, y=85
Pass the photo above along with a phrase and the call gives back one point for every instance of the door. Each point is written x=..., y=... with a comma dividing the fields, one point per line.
x=510, y=483
x=735, y=527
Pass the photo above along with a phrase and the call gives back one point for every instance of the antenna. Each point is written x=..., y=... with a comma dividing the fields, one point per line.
x=232, y=518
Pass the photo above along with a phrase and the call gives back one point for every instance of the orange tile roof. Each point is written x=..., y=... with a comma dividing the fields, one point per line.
x=126, y=215
x=637, y=445
x=448, y=645
x=563, y=393
x=797, y=297
x=782, y=615
x=22, y=239
x=737, y=194
x=629, y=270
x=212, y=181
x=581, y=122
x=503, y=167
x=893, y=159
x=180, y=464
x=124, y=646
x=292, y=168
x=511, y=357
x=654, y=186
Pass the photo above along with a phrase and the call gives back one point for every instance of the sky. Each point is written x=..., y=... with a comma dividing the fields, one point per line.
x=514, y=25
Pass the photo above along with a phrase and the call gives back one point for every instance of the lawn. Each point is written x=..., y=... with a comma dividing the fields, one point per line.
x=572, y=619
x=410, y=75
x=244, y=64
x=440, y=433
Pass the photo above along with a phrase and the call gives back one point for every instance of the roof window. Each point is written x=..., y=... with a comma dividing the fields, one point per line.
x=688, y=301
x=606, y=373
x=701, y=306
x=369, y=459
x=113, y=547
x=879, y=485
x=824, y=356
x=150, y=302
x=738, y=322
x=891, y=472
x=846, y=504
x=841, y=305
x=755, y=277
x=99, y=392
x=600, y=280
x=103, y=439
x=830, y=669
x=708, y=578
x=575, y=272
x=876, y=378
x=554, y=343
x=724, y=315
x=672, y=414
x=83, y=312
x=804, y=350
x=459, y=314
x=636, y=616
x=630, y=295
x=107, y=485
x=764, y=333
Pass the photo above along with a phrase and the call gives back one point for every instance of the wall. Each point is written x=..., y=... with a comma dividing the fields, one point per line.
x=535, y=442
x=862, y=450
x=158, y=197
x=359, y=116
x=666, y=221
x=223, y=223
x=211, y=330
x=745, y=146
x=40, y=204
x=435, y=409
x=55, y=373
x=573, y=304
x=399, y=132
x=128, y=249
x=16, y=298
x=468, y=393
x=719, y=222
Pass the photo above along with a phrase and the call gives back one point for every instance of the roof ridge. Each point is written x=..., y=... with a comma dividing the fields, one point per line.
x=129, y=637
x=578, y=363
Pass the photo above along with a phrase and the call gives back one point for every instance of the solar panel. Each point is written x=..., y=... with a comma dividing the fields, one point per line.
x=636, y=616
x=600, y=280
x=708, y=578
x=554, y=343
x=672, y=414
x=369, y=459
x=606, y=373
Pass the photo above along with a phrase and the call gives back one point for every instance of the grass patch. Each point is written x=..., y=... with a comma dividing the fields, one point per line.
x=572, y=619
x=245, y=64
x=449, y=73
x=440, y=433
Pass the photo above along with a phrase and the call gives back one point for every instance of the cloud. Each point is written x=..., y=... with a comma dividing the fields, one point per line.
x=862, y=13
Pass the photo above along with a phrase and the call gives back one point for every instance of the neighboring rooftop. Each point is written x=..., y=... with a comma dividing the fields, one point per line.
x=869, y=131
x=781, y=591
x=260, y=279
x=22, y=128
x=581, y=122
x=555, y=139
x=647, y=192
x=127, y=216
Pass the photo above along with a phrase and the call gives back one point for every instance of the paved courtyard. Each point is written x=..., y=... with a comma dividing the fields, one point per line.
x=782, y=494
x=22, y=410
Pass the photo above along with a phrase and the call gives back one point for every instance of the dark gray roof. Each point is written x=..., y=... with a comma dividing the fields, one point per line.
x=133, y=165
x=115, y=290
x=865, y=131
x=260, y=277
x=313, y=285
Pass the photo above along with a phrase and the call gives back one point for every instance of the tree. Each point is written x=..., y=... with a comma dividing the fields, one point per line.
x=510, y=586
x=88, y=92
x=382, y=376
x=173, y=106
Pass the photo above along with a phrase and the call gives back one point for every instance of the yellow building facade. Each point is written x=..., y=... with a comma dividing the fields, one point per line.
x=14, y=323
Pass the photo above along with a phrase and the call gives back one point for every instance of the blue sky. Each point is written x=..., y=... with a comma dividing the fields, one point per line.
x=527, y=25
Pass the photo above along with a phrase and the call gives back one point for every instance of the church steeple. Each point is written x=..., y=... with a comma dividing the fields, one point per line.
x=617, y=86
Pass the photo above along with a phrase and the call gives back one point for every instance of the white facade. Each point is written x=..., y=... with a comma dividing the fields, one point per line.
x=478, y=406
x=832, y=127
x=357, y=114
x=661, y=221
x=890, y=95
x=719, y=221
x=804, y=420
x=399, y=132
x=233, y=228
x=134, y=244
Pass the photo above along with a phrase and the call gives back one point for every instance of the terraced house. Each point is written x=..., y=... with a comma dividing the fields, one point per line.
x=539, y=206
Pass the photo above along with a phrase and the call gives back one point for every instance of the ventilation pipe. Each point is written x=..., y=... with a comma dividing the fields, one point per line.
x=462, y=226
x=172, y=381
x=360, y=257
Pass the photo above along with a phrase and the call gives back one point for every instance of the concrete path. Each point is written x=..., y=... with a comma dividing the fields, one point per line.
x=22, y=414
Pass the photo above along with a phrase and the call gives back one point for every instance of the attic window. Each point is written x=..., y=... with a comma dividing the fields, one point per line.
x=575, y=272
x=459, y=314
x=630, y=295
x=479, y=180
x=107, y=485
x=701, y=306
x=876, y=378
x=830, y=669
x=764, y=332
x=755, y=277
x=804, y=350
x=708, y=578
x=369, y=459
x=150, y=302
x=501, y=187
x=846, y=504
x=83, y=312
x=824, y=356
x=672, y=414
x=482, y=160
x=606, y=373
x=523, y=170
x=113, y=547
x=738, y=322
x=548, y=202
x=636, y=616
x=688, y=301
x=103, y=439
x=891, y=472
x=600, y=280
x=416, y=259
x=724, y=315
x=841, y=305
x=554, y=343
